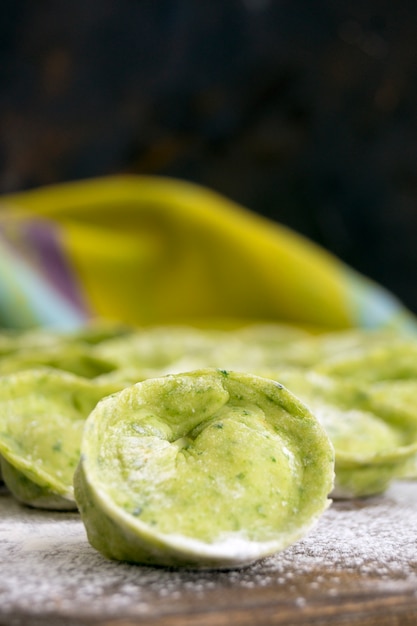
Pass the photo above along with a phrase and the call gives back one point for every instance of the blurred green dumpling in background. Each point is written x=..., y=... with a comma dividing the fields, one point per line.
x=70, y=351
x=395, y=401
x=390, y=358
x=42, y=416
x=372, y=427
x=159, y=350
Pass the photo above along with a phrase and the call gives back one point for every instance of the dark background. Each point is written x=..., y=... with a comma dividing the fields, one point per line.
x=304, y=111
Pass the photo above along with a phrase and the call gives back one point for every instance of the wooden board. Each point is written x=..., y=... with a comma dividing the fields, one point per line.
x=358, y=566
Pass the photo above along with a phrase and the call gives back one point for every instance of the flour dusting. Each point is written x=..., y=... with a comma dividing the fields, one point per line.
x=49, y=573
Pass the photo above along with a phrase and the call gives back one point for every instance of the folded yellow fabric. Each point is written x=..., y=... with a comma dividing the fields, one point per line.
x=151, y=250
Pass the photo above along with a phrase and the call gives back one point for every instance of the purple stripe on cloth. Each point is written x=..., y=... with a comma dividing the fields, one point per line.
x=38, y=242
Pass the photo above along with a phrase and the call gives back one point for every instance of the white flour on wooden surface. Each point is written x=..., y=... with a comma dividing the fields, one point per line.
x=47, y=567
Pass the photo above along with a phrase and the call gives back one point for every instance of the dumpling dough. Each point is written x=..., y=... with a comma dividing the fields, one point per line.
x=208, y=468
x=42, y=416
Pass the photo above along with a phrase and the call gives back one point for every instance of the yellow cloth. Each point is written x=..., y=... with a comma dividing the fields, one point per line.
x=151, y=250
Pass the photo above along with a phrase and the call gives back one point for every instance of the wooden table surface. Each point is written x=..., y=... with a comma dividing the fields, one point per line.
x=357, y=566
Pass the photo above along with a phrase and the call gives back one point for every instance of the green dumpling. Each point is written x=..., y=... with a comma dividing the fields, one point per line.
x=42, y=415
x=69, y=351
x=396, y=401
x=77, y=358
x=373, y=430
x=394, y=358
x=207, y=468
